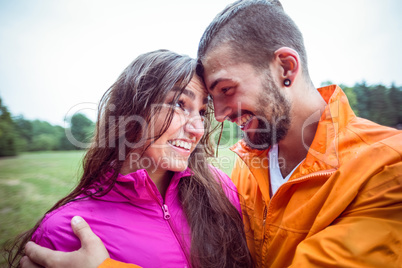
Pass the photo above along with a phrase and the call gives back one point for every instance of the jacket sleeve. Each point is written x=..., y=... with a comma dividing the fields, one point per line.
x=367, y=234
x=109, y=263
x=54, y=232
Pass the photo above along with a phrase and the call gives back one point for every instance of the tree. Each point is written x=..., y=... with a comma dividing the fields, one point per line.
x=23, y=128
x=44, y=136
x=362, y=95
x=82, y=129
x=395, y=97
x=350, y=93
x=8, y=137
x=379, y=105
x=64, y=144
x=44, y=142
x=326, y=83
x=24, y=131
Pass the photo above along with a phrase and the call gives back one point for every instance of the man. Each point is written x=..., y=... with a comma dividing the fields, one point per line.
x=320, y=186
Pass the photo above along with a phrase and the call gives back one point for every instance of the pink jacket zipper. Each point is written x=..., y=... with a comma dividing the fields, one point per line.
x=166, y=216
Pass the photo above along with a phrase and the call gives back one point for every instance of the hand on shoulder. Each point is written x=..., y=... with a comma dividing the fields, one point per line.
x=91, y=254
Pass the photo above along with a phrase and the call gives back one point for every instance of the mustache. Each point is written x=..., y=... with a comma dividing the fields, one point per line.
x=232, y=117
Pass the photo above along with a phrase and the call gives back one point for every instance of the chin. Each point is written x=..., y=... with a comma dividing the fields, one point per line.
x=178, y=167
x=256, y=141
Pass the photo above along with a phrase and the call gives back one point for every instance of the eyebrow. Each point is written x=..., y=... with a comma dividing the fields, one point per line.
x=217, y=81
x=190, y=94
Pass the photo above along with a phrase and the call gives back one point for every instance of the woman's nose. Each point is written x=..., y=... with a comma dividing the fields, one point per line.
x=195, y=126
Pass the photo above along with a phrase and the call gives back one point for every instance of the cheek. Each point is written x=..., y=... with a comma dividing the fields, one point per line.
x=176, y=126
x=170, y=131
x=201, y=132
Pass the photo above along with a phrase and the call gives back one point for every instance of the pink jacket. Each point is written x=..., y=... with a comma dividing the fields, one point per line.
x=134, y=222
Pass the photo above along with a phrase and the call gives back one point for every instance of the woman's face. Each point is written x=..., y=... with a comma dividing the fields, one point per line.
x=171, y=151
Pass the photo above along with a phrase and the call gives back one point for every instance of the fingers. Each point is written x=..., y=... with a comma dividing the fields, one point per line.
x=25, y=262
x=91, y=254
x=92, y=249
x=83, y=231
x=36, y=254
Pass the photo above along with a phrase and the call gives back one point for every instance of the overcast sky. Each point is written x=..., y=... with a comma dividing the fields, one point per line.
x=59, y=57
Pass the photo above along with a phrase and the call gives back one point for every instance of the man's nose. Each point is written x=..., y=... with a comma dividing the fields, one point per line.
x=221, y=110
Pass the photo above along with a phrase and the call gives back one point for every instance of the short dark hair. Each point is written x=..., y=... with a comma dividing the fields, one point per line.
x=254, y=30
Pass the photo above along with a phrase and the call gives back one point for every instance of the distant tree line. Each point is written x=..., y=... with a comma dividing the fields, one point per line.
x=378, y=103
x=18, y=134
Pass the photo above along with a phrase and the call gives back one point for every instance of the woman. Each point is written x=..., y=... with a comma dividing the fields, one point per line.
x=147, y=190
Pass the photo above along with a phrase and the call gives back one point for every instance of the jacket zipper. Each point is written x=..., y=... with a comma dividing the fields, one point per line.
x=167, y=216
x=264, y=228
x=266, y=208
x=264, y=216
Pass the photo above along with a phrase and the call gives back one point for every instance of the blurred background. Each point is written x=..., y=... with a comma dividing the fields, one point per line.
x=57, y=58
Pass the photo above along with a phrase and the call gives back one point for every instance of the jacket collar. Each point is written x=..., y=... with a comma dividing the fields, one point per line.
x=324, y=150
x=137, y=187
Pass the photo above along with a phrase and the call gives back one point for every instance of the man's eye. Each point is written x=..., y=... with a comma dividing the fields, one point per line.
x=203, y=113
x=225, y=89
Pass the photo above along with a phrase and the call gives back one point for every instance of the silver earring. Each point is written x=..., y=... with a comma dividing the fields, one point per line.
x=287, y=82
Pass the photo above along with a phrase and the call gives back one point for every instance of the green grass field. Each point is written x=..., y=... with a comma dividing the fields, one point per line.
x=32, y=182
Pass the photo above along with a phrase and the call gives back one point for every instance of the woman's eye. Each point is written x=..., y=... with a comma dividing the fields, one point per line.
x=179, y=104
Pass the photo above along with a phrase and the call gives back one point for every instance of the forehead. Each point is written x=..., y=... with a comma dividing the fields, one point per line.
x=217, y=58
x=219, y=65
x=197, y=86
x=195, y=90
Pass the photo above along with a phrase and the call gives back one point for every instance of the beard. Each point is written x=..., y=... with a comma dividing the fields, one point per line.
x=273, y=115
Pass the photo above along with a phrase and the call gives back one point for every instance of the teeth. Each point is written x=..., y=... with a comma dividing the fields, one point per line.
x=182, y=144
x=243, y=120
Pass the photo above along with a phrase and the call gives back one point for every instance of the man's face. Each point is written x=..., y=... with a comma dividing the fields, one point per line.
x=248, y=98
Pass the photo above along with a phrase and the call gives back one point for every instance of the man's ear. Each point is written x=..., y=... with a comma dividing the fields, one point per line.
x=289, y=61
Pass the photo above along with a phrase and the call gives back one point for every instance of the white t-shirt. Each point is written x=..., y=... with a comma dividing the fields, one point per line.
x=275, y=175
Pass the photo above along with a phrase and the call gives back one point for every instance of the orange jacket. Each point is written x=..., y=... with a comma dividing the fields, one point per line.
x=342, y=207
x=109, y=263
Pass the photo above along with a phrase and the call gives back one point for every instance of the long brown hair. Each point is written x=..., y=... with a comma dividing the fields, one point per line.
x=217, y=235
